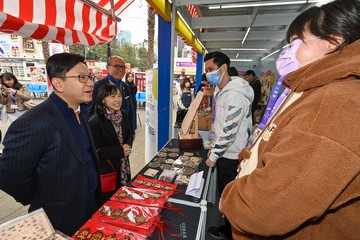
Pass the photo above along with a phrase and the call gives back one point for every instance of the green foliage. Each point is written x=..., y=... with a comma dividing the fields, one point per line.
x=137, y=57
x=142, y=58
x=128, y=53
x=97, y=52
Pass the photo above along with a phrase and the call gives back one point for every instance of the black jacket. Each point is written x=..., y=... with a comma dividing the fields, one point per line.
x=256, y=86
x=133, y=90
x=108, y=145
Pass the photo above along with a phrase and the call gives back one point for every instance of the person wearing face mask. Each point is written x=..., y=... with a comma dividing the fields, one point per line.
x=184, y=98
x=300, y=177
x=231, y=124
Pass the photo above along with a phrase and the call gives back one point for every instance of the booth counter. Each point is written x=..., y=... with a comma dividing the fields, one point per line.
x=192, y=222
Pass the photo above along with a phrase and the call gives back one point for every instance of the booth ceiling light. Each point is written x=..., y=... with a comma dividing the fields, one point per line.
x=270, y=54
x=274, y=52
x=241, y=60
x=246, y=34
x=261, y=4
x=243, y=49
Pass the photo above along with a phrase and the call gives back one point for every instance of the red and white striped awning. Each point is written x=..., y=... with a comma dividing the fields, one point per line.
x=69, y=22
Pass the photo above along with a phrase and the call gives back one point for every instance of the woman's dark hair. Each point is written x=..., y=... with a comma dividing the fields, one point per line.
x=59, y=64
x=126, y=78
x=203, y=77
x=337, y=18
x=183, y=81
x=233, y=71
x=104, y=91
x=219, y=59
x=8, y=75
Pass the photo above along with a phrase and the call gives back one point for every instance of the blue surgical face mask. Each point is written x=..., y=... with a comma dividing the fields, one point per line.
x=213, y=77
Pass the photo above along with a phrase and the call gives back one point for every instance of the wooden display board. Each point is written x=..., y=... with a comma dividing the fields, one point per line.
x=189, y=137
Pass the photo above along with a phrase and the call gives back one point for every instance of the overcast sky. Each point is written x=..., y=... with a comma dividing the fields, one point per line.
x=134, y=19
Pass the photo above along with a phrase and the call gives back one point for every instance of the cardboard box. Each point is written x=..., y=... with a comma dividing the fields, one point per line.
x=205, y=120
x=257, y=116
x=208, y=91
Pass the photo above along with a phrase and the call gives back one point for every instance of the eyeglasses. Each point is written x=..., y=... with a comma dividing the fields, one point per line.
x=82, y=79
x=117, y=66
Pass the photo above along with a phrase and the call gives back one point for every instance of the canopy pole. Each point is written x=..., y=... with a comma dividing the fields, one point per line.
x=171, y=77
x=103, y=10
x=108, y=50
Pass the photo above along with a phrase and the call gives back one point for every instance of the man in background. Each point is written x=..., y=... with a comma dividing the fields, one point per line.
x=233, y=71
x=98, y=73
x=255, y=83
x=115, y=66
x=49, y=159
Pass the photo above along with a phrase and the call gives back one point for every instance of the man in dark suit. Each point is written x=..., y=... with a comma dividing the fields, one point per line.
x=49, y=159
x=255, y=83
x=115, y=66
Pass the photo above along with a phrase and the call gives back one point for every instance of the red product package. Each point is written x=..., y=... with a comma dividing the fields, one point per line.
x=140, y=196
x=152, y=184
x=98, y=230
x=133, y=217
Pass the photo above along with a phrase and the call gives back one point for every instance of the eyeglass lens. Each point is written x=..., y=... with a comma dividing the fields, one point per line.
x=117, y=66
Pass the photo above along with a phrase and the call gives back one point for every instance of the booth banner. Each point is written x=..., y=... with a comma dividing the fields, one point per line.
x=13, y=46
x=151, y=114
x=140, y=80
x=6, y=46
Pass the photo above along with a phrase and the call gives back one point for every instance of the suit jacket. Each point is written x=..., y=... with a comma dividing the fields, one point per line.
x=42, y=166
x=127, y=104
x=108, y=146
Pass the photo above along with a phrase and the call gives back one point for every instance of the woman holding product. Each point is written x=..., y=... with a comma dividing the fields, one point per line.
x=13, y=96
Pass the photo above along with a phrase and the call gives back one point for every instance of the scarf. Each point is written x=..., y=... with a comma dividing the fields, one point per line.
x=116, y=119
